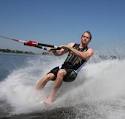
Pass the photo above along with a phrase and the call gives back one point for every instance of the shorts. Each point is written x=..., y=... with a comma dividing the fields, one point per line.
x=69, y=77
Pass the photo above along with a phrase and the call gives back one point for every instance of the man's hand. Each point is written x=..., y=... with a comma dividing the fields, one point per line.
x=59, y=50
x=65, y=47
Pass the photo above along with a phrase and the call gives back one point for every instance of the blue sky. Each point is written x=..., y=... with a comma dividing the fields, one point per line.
x=62, y=21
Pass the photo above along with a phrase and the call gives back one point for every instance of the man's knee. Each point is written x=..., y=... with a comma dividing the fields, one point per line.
x=40, y=83
x=61, y=73
x=49, y=76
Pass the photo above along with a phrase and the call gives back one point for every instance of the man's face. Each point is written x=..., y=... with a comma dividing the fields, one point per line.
x=85, y=38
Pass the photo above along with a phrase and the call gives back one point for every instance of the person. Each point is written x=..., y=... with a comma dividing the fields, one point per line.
x=78, y=54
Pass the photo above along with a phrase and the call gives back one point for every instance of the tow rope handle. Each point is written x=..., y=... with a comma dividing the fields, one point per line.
x=31, y=43
x=41, y=45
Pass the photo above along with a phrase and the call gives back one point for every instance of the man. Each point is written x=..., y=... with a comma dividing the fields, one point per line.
x=78, y=54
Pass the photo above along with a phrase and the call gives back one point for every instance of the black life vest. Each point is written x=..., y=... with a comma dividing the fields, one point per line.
x=73, y=61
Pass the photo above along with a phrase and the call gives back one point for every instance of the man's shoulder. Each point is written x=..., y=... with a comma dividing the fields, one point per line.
x=90, y=51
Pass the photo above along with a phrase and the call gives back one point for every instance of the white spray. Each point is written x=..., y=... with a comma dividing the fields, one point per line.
x=103, y=81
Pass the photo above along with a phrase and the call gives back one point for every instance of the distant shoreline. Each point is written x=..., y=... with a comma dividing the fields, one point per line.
x=20, y=52
x=15, y=51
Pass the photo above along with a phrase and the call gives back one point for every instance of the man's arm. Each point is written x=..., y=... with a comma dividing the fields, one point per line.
x=58, y=52
x=83, y=55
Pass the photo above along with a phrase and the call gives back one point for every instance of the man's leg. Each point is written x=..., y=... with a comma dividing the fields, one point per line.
x=60, y=75
x=42, y=82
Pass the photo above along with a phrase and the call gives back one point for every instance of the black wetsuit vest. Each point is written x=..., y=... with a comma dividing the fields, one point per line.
x=73, y=61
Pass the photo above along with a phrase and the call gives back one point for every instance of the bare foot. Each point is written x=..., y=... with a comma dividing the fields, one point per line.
x=48, y=101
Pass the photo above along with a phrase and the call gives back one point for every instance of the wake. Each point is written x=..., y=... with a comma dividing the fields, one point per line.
x=97, y=82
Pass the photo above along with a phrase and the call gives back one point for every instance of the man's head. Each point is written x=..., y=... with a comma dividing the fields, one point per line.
x=86, y=37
